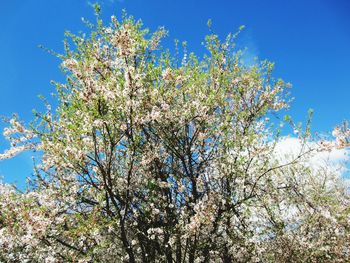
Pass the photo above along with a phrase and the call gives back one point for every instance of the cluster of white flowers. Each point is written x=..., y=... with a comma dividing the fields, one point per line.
x=145, y=160
x=19, y=137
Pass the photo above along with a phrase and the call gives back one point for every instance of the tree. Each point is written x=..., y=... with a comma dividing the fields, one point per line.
x=152, y=158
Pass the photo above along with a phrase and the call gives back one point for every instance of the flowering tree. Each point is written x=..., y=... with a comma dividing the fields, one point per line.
x=151, y=158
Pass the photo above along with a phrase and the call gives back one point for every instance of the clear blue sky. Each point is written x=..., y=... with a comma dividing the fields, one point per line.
x=308, y=39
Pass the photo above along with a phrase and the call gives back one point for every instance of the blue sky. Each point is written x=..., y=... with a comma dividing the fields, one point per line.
x=308, y=40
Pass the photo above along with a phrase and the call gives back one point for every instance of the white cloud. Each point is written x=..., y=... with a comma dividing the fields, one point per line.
x=289, y=148
x=247, y=44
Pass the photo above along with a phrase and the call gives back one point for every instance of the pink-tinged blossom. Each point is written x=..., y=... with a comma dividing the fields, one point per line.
x=145, y=160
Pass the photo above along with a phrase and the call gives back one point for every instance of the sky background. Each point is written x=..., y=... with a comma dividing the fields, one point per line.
x=308, y=40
